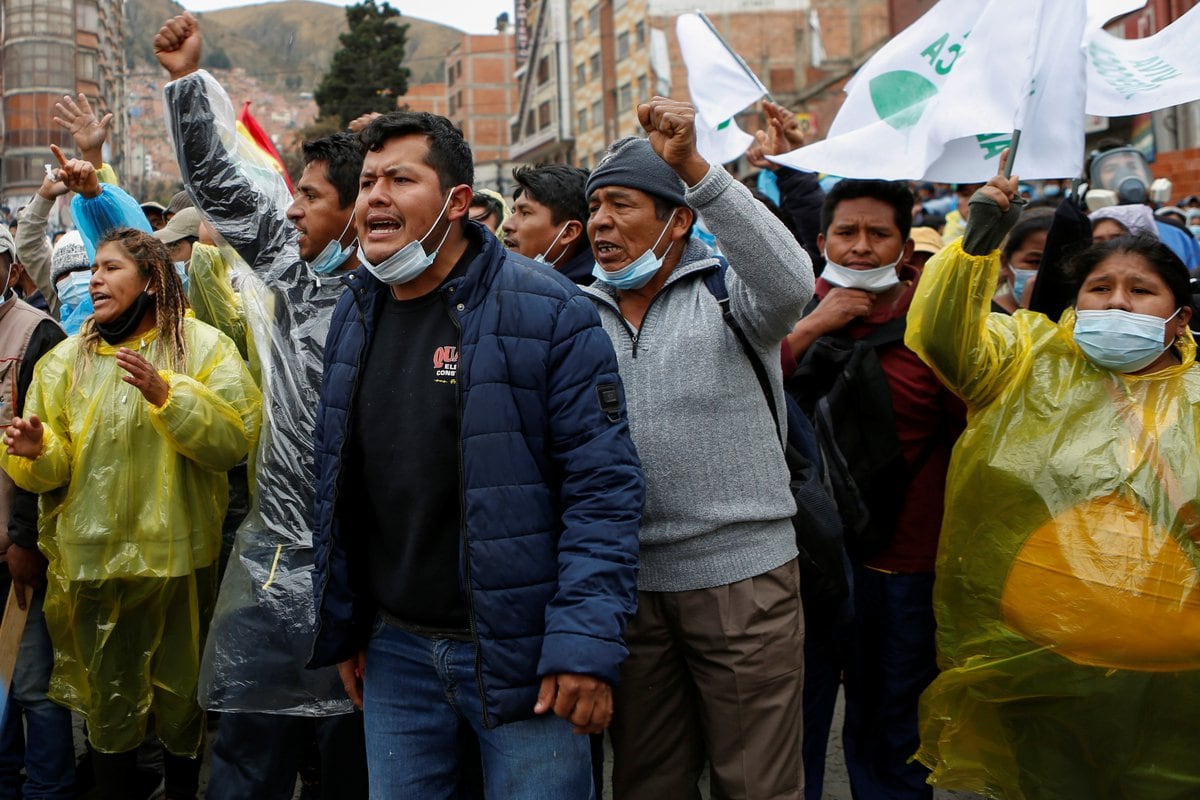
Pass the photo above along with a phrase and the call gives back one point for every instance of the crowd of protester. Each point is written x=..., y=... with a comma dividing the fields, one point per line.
x=397, y=487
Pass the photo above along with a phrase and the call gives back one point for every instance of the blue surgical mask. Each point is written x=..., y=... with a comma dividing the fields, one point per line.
x=72, y=291
x=408, y=262
x=875, y=281
x=181, y=271
x=1195, y=231
x=1020, y=278
x=333, y=255
x=1121, y=340
x=1051, y=191
x=541, y=257
x=639, y=271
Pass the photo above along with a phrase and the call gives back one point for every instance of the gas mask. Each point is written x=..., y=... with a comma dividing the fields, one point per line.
x=1122, y=171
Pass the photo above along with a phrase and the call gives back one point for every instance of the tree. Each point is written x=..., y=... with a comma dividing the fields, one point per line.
x=367, y=73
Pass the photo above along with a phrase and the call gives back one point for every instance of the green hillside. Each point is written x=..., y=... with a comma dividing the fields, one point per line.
x=287, y=45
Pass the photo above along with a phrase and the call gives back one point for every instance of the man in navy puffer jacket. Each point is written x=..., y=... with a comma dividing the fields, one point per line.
x=478, y=495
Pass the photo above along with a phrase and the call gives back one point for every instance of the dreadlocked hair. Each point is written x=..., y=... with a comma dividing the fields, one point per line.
x=154, y=265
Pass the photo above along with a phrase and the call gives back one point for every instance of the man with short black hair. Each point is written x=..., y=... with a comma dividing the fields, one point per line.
x=549, y=219
x=262, y=628
x=478, y=495
x=887, y=656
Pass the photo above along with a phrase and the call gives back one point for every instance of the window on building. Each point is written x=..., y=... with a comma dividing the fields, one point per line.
x=643, y=93
x=640, y=33
x=625, y=97
x=623, y=45
x=87, y=15
x=460, y=100
x=543, y=73
x=581, y=120
x=458, y=68
x=594, y=18
x=595, y=66
x=530, y=122
x=544, y=116
x=450, y=76
x=597, y=114
x=87, y=65
x=581, y=73
x=453, y=104
x=579, y=29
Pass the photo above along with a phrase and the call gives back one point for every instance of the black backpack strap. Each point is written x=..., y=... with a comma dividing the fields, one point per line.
x=714, y=280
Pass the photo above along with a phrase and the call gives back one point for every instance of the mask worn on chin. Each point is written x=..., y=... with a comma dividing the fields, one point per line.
x=1020, y=278
x=123, y=326
x=334, y=255
x=1121, y=341
x=875, y=281
x=639, y=271
x=541, y=257
x=410, y=261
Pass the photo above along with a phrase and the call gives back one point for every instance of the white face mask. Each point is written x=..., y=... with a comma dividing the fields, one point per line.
x=541, y=257
x=410, y=261
x=333, y=255
x=875, y=281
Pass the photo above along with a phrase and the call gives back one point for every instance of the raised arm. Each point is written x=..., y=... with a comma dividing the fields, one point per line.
x=949, y=323
x=244, y=199
x=770, y=276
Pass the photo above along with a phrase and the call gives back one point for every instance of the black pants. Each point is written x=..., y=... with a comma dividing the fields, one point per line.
x=116, y=776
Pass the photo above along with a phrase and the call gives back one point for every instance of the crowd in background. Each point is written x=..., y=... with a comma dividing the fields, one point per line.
x=401, y=488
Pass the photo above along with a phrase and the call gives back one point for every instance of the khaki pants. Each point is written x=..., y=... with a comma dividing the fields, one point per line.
x=713, y=675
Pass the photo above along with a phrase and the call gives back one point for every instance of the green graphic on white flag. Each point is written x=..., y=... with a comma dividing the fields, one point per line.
x=940, y=100
x=1136, y=76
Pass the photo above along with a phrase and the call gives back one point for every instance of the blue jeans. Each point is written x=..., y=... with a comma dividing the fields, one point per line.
x=887, y=656
x=37, y=731
x=423, y=716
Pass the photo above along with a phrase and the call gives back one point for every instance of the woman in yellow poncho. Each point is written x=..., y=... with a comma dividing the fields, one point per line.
x=1067, y=594
x=131, y=427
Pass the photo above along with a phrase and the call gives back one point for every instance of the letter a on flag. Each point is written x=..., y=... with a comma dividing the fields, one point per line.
x=940, y=100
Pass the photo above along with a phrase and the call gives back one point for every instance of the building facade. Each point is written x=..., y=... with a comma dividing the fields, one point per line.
x=49, y=48
x=481, y=98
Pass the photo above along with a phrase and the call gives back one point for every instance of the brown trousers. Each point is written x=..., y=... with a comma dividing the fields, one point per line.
x=713, y=675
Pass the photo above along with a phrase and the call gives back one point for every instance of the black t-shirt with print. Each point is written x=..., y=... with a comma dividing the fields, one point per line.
x=406, y=443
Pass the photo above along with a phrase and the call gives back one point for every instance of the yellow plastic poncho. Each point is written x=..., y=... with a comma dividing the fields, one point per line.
x=1068, y=591
x=132, y=502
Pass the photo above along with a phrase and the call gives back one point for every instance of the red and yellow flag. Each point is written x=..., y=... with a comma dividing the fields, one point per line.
x=249, y=129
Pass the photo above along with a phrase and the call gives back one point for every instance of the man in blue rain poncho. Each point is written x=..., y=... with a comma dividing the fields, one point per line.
x=262, y=631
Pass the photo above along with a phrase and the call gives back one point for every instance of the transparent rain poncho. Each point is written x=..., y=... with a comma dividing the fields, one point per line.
x=130, y=520
x=1068, y=579
x=263, y=627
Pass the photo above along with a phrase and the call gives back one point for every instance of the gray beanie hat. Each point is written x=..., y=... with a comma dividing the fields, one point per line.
x=632, y=162
x=68, y=255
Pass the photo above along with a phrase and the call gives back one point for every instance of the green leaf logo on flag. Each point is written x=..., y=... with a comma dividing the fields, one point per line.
x=900, y=97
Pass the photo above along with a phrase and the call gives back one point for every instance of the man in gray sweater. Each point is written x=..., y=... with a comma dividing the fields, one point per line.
x=715, y=667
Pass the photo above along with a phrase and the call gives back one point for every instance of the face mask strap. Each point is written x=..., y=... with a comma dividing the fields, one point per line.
x=446, y=205
x=558, y=236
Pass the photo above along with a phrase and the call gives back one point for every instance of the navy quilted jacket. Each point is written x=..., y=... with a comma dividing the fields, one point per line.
x=553, y=487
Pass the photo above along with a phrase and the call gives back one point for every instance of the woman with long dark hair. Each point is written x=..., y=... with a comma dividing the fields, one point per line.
x=130, y=428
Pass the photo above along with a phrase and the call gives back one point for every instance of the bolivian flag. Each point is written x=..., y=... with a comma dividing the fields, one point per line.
x=253, y=133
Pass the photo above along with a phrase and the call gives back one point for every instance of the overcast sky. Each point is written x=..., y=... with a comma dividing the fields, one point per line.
x=473, y=16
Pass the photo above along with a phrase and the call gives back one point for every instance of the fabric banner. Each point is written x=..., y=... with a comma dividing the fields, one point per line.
x=932, y=104
x=720, y=84
x=249, y=129
x=1135, y=76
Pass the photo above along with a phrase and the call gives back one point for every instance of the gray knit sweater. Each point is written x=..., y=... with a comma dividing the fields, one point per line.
x=718, y=508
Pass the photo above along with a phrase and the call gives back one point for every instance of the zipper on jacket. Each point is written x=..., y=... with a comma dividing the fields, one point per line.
x=636, y=335
x=462, y=527
x=342, y=450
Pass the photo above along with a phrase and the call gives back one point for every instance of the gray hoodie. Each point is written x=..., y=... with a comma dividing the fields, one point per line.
x=718, y=508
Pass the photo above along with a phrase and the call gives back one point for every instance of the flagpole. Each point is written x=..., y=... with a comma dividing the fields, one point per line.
x=741, y=62
x=1012, y=153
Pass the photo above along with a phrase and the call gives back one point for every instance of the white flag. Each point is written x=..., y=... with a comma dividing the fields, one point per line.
x=939, y=101
x=720, y=85
x=1136, y=76
x=1101, y=12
